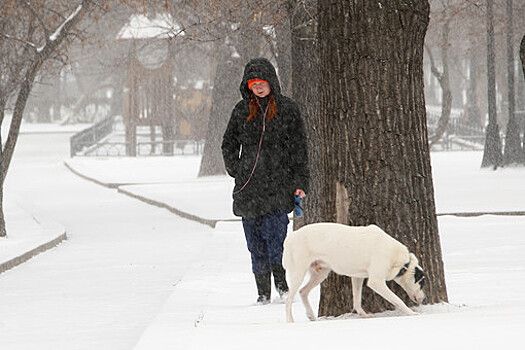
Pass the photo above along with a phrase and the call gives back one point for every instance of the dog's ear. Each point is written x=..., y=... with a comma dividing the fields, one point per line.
x=419, y=276
x=403, y=270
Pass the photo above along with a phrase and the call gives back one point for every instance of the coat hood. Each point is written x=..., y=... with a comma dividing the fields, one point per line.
x=263, y=69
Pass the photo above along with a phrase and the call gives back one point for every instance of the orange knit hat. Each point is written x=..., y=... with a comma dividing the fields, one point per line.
x=253, y=81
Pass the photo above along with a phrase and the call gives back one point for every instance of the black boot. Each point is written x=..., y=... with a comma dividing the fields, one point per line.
x=264, y=288
x=279, y=278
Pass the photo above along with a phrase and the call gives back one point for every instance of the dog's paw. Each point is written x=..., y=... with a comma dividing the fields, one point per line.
x=311, y=317
x=363, y=314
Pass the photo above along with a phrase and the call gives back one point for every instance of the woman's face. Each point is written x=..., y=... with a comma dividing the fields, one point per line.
x=261, y=89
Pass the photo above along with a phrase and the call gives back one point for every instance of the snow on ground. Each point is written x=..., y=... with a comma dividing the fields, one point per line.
x=27, y=231
x=210, y=304
x=39, y=128
x=101, y=287
x=460, y=185
x=140, y=170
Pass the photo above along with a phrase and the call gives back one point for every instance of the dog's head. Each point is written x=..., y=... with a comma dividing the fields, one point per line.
x=412, y=279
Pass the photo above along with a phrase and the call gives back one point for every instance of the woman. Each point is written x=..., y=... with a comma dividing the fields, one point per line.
x=264, y=149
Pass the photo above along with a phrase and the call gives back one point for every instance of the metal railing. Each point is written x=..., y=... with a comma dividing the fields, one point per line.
x=459, y=134
x=180, y=147
x=90, y=136
x=88, y=142
x=144, y=148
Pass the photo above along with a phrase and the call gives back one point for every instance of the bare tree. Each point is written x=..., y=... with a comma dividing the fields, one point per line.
x=33, y=33
x=444, y=81
x=522, y=59
x=473, y=110
x=374, y=136
x=513, y=151
x=225, y=94
x=492, y=156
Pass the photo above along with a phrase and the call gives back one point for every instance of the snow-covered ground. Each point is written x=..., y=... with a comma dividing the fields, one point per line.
x=134, y=276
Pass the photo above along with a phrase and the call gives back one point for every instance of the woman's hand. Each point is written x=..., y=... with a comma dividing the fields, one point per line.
x=300, y=193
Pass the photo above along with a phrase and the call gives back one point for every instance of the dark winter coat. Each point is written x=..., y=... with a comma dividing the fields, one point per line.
x=283, y=161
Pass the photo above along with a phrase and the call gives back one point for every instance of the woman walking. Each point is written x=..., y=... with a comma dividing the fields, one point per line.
x=264, y=149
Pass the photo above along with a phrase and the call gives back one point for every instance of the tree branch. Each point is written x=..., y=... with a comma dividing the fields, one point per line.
x=433, y=68
x=38, y=18
x=43, y=53
x=25, y=42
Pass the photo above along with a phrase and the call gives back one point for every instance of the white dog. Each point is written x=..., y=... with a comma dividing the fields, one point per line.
x=356, y=251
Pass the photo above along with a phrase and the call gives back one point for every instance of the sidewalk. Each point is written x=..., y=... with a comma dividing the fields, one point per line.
x=29, y=234
x=212, y=305
x=219, y=291
x=166, y=182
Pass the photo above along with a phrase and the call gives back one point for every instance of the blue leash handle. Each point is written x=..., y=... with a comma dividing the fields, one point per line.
x=298, y=208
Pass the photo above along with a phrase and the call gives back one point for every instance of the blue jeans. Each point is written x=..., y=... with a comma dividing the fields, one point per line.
x=265, y=237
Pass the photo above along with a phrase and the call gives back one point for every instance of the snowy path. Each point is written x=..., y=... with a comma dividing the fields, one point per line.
x=133, y=276
x=102, y=287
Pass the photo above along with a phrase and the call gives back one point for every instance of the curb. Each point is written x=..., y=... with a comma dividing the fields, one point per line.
x=474, y=214
x=5, y=266
x=210, y=222
x=53, y=233
x=79, y=174
x=213, y=222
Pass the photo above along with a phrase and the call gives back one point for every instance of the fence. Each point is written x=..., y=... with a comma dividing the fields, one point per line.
x=90, y=136
x=88, y=142
x=459, y=134
x=144, y=148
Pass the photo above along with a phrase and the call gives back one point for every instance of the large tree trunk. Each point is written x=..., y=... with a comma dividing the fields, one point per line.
x=305, y=91
x=492, y=156
x=284, y=55
x=513, y=151
x=473, y=111
x=224, y=96
x=522, y=59
x=3, y=230
x=373, y=126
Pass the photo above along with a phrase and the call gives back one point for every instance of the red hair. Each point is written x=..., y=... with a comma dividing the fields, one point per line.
x=254, y=108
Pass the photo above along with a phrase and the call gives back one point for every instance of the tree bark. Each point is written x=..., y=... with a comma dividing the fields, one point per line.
x=305, y=91
x=375, y=142
x=225, y=94
x=473, y=111
x=284, y=54
x=492, y=156
x=522, y=59
x=3, y=230
x=513, y=151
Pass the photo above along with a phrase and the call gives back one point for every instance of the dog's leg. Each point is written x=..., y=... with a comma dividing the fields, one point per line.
x=380, y=287
x=296, y=279
x=357, y=289
x=317, y=275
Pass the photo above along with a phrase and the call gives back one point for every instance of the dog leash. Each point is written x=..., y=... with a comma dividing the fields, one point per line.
x=260, y=146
